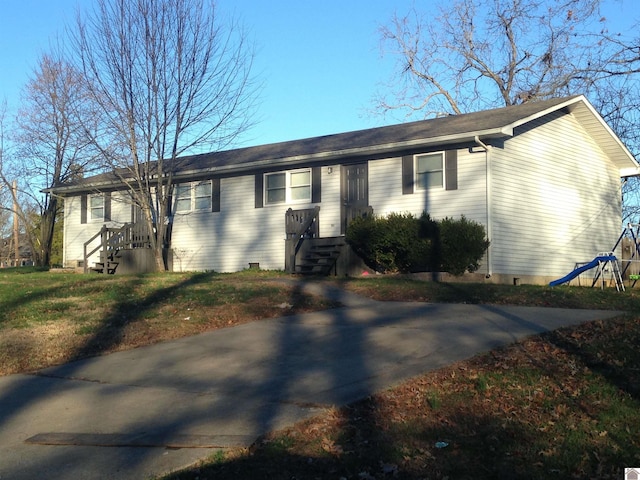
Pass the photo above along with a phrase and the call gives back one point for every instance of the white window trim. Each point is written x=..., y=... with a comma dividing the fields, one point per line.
x=416, y=173
x=93, y=218
x=288, y=187
x=192, y=191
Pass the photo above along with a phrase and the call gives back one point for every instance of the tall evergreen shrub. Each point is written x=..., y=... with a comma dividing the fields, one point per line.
x=463, y=244
x=404, y=243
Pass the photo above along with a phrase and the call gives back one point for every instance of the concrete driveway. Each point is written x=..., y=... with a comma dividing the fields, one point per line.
x=145, y=412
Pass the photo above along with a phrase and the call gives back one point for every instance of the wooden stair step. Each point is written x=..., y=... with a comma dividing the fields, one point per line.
x=319, y=255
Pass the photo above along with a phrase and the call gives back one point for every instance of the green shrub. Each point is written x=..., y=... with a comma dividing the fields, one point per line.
x=389, y=244
x=404, y=243
x=463, y=244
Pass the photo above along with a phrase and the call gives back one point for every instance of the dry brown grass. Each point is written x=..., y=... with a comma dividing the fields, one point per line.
x=565, y=404
x=48, y=319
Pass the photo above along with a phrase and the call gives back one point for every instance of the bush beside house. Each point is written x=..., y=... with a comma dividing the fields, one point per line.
x=405, y=243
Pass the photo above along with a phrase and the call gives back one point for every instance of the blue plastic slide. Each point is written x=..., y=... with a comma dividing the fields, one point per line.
x=593, y=263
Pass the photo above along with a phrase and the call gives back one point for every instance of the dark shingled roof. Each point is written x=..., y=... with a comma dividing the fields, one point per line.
x=443, y=130
x=449, y=126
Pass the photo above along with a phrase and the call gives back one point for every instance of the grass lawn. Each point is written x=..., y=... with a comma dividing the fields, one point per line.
x=565, y=404
x=561, y=405
x=51, y=318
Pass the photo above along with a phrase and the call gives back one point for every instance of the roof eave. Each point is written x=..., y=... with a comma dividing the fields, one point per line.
x=314, y=158
x=334, y=155
x=93, y=187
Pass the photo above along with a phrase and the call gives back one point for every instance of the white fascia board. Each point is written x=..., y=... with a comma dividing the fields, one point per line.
x=614, y=137
x=549, y=110
x=630, y=172
x=89, y=187
x=581, y=99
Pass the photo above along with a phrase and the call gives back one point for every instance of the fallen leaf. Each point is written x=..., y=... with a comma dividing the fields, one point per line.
x=389, y=468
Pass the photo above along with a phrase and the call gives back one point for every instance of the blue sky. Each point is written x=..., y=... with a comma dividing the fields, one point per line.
x=320, y=62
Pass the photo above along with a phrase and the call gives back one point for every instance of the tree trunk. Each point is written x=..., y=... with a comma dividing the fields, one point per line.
x=46, y=232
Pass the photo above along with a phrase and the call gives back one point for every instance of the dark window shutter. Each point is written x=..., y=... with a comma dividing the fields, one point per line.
x=107, y=206
x=451, y=169
x=215, y=195
x=407, y=174
x=83, y=209
x=316, y=184
x=259, y=190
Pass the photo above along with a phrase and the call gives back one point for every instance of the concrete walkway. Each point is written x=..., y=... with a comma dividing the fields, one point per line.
x=144, y=412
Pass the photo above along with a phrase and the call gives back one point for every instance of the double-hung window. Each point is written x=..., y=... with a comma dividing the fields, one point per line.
x=193, y=197
x=96, y=207
x=202, y=196
x=429, y=170
x=288, y=187
x=183, y=197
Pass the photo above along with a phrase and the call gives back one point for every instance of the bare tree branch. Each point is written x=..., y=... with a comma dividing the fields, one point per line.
x=170, y=77
x=50, y=139
x=476, y=54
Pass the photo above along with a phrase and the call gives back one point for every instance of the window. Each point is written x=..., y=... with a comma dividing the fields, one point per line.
x=276, y=190
x=202, y=196
x=288, y=187
x=429, y=171
x=96, y=207
x=193, y=196
x=183, y=198
x=424, y=171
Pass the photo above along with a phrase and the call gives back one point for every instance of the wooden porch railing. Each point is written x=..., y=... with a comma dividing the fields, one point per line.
x=129, y=236
x=299, y=225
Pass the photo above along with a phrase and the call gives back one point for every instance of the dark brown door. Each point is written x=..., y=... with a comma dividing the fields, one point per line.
x=355, y=193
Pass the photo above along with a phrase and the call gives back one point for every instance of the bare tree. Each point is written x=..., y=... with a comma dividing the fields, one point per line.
x=617, y=98
x=170, y=77
x=52, y=144
x=471, y=55
x=13, y=205
x=476, y=54
x=5, y=191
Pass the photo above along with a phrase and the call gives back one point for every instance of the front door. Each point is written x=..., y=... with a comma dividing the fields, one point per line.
x=355, y=193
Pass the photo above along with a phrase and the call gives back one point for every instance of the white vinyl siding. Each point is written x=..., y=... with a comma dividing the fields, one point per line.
x=330, y=210
x=76, y=233
x=228, y=240
x=555, y=198
x=385, y=190
x=554, y=201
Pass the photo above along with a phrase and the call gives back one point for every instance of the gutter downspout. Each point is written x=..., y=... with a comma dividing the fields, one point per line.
x=489, y=202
